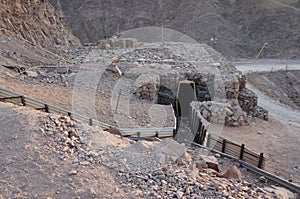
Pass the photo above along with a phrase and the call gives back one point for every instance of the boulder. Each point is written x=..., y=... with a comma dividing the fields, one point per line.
x=211, y=162
x=32, y=74
x=232, y=172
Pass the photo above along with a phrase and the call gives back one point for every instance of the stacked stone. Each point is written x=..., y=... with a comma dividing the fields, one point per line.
x=202, y=82
x=235, y=116
x=247, y=100
x=147, y=92
x=242, y=82
x=117, y=43
x=261, y=113
x=229, y=113
x=232, y=89
x=219, y=82
x=213, y=112
x=146, y=86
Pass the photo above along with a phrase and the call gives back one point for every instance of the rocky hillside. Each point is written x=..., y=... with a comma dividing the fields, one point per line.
x=282, y=86
x=36, y=21
x=242, y=27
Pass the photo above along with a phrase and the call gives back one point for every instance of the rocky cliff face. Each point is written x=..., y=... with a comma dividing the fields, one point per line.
x=35, y=21
x=241, y=27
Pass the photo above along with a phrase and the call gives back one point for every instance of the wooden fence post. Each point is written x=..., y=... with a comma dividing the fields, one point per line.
x=46, y=108
x=223, y=145
x=203, y=136
x=208, y=140
x=261, y=159
x=242, y=151
x=23, y=100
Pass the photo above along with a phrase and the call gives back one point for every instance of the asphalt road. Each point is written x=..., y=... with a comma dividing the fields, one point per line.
x=276, y=109
x=261, y=65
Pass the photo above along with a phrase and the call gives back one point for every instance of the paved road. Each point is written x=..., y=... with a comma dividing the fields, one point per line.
x=276, y=109
x=267, y=65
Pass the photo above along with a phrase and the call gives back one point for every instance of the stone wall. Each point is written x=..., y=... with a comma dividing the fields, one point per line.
x=247, y=100
x=229, y=114
x=146, y=86
x=217, y=81
x=117, y=43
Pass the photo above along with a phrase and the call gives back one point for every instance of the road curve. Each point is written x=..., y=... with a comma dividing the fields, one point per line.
x=276, y=109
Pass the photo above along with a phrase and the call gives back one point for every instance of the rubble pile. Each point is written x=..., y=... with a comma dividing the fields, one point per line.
x=191, y=176
x=158, y=169
x=155, y=55
x=143, y=156
x=66, y=138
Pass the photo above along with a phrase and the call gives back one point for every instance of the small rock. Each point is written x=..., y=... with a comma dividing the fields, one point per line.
x=84, y=163
x=179, y=194
x=72, y=172
x=217, y=155
x=93, y=154
x=32, y=74
x=263, y=179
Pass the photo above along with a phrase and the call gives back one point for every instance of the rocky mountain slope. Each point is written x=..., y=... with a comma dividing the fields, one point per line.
x=282, y=86
x=241, y=27
x=36, y=21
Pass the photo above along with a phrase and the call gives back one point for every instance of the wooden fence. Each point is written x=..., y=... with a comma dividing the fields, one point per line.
x=18, y=99
x=239, y=151
x=200, y=128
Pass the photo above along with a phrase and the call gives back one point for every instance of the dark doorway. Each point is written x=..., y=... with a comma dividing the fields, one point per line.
x=185, y=95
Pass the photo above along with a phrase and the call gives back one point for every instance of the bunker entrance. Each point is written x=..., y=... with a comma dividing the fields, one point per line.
x=191, y=89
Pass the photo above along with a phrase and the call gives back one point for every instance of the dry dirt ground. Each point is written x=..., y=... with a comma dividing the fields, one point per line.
x=278, y=138
x=279, y=141
x=30, y=168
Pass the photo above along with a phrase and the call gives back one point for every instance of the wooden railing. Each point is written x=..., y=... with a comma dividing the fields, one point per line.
x=18, y=99
x=203, y=136
x=239, y=151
